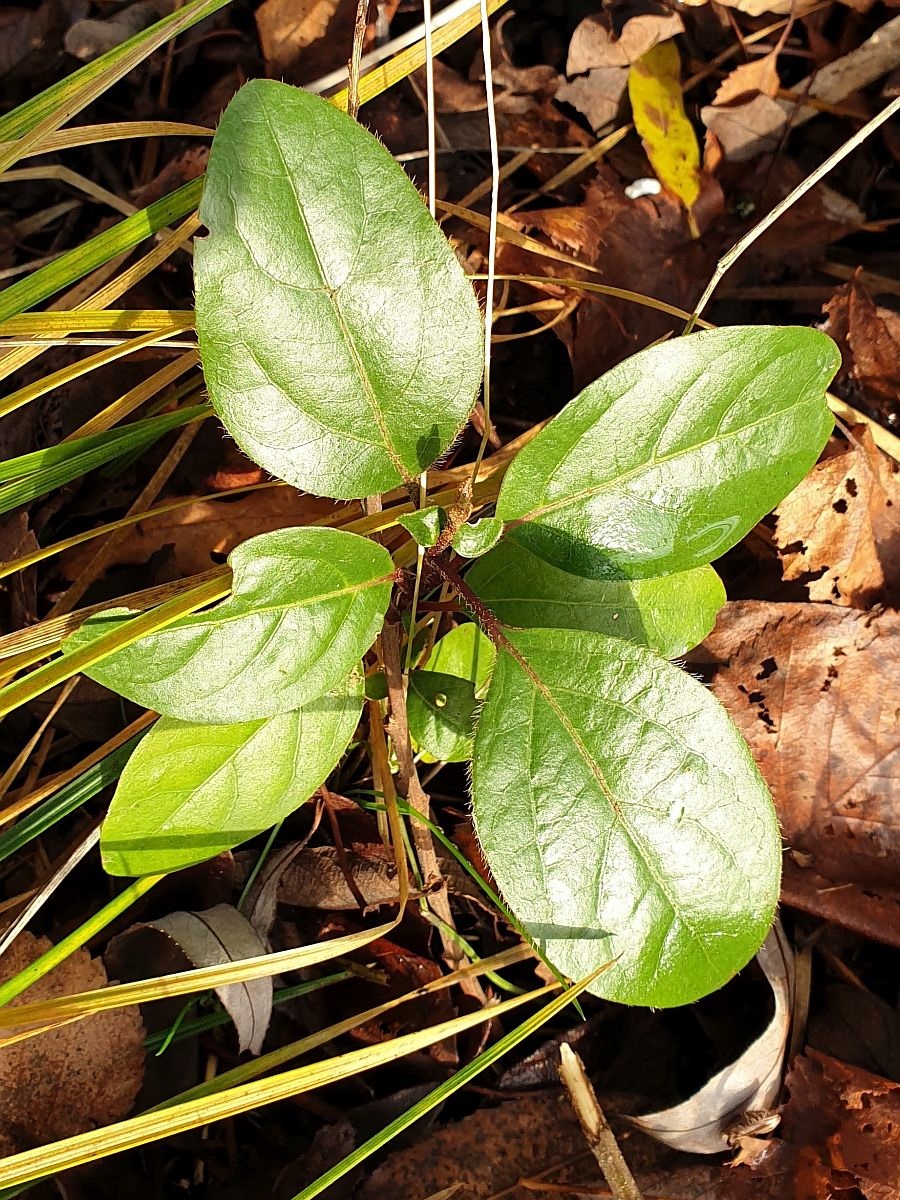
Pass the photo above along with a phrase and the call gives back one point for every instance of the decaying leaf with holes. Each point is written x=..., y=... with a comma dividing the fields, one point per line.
x=815, y=690
x=839, y=530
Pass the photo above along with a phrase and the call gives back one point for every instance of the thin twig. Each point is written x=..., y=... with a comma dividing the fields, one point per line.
x=353, y=66
x=411, y=790
x=728, y=260
x=600, y=1137
x=492, y=233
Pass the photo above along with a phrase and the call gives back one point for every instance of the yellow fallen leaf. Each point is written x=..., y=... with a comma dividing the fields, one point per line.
x=654, y=86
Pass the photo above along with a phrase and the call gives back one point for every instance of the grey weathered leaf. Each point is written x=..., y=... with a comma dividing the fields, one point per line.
x=700, y=1125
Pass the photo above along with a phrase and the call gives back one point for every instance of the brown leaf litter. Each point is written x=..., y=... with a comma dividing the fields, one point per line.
x=70, y=1079
x=840, y=1136
x=815, y=690
x=839, y=530
x=869, y=339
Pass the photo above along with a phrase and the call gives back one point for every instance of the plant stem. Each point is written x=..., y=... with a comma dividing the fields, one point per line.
x=600, y=1137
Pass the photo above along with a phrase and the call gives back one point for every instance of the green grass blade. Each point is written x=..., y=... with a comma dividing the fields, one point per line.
x=117, y=440
x=40, y=472
x=451, y=1085
x=79, y=937
x=80, y=261
x=60, y=102
x=67, y=799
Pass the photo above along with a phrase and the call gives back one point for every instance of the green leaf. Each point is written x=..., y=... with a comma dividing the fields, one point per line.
x=425, y=524
x=670, y=613
x=340, y=338
x=191, y=791
x=623, y=816
x=443, y=696
x=477, y=537
x=305, y=606
x=669, y=459
x=465, y=652
x=441, y=712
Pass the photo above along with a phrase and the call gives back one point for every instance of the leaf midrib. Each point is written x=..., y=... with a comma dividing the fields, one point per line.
x=280, y=608
x=331, y=292
x=595, y=770
x=610, y=484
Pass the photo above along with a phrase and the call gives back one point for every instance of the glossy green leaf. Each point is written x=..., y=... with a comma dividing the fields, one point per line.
x=425, y=524
x=191, y=791
x=477, y=537
x=306, y=604
x=623, y=816
x=441, y=712
x=669, y=459
x=444, y=695
x=669, y=613
x=340, y=338
x=466, y=652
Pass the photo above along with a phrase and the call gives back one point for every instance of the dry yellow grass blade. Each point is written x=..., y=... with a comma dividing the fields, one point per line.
x=66, y=175
x=58, y=671
x=56, y=379
x=114, y=131
x=85, y=1004
x=277, y=1058
x=39, y=641
x=133, y=399
x=109, y=320
x=23, y=803
x=109, y=292
x=402, y=65
x=87, y=1147
x=602, y=289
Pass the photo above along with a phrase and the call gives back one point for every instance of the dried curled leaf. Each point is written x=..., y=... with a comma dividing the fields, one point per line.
x=749, y=1084
x=206, y=939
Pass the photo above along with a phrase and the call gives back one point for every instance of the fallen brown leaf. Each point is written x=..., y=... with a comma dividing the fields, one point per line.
x=74, y=1078
x=305, y=39
x=859, y=1028
x=840, y=1137
x=202, y=533
x=594, y=45
x=815, y=690
x=806, y=228
x=872, y=913
x=759, y=76
x=524, y=1143
x=597, y=95
x=645, y=240
x=869, y=338
x=842, y=526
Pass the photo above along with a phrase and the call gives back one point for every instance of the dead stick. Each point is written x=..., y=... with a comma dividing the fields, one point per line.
x=600, y=1137
x=411, y=789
